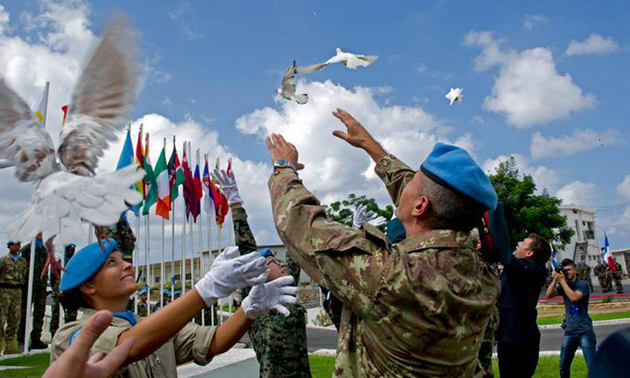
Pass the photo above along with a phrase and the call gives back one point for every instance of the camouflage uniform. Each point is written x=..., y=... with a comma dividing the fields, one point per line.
x=609, y=278
x=417, y=308
x=484, y=369
x=279, y=342
x=618, y=275
x=587, y=275
x=69, y=315
x=13, y=274
x=600, y=271
x=40, y=281
x=124, y=236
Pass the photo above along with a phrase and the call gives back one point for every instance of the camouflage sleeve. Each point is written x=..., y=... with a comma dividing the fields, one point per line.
x=243, y=235
x=395, y=174
x=293, y=270
x=340, y=258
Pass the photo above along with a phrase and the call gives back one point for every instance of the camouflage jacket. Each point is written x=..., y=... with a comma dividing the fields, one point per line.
x=279, y=342
x=124, y=236
x=414, y=309
x=40, y=277
x=13, y=272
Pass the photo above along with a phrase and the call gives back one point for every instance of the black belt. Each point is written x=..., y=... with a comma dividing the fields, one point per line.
x=10, y=286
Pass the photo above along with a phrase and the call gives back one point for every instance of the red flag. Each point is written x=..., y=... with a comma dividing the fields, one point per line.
x=140, y=185
x=189, y=190
x=198, y=192
x=229, y=167
x=64, y=109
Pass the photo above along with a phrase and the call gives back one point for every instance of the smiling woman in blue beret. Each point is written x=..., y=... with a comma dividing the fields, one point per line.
x=98, y=279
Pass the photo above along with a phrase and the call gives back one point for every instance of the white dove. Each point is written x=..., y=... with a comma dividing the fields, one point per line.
x=69, y=192
x=349, y=60
x=288, y=87
x=455, y=95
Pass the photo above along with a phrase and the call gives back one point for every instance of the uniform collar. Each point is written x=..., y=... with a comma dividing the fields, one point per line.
x=121, y=319
x=442, y=239
x=15, y=257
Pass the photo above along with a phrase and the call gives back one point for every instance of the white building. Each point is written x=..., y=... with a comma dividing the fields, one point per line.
x=623, y=257
x=584, y=243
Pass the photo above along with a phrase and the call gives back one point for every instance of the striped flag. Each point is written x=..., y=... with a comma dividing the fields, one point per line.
x=163, y=207
x=198, y=192
x=151, y=185
x=140, y=185
x=175, y=174
x=189, y=190
x=208, y=202
x=608, y=257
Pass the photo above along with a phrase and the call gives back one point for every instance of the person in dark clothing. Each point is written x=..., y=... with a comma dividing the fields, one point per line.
x=522, y=280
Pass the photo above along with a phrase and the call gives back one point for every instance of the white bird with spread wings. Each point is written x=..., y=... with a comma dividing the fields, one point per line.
x=454, y=95
x=349, y=60
x=288, y=87
x=69, y=191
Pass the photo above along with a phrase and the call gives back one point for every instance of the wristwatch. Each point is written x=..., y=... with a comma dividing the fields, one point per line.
x=282, y=163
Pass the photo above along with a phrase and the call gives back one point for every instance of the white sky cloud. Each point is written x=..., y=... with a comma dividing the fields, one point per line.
x=333, y=168
x=578, y=193
x=4, y=19
x=580, y=140
x=531, y=20
x=528, y=90
x=594, y=44
x=623, y=189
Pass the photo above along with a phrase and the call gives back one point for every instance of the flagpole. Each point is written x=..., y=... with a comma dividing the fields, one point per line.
x=147, y=244
x=191, y=231
x=210, y=255
x=137, y=244
x=220, y=312
x=163, y=246
x=29, y=297
x=184, y=233
x=173, y=235
x=46, y=105
x=200, y=242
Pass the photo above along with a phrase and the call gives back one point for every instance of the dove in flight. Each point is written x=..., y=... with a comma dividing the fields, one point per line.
x=68, y=190
x=455, y=95
x=288, y=87
x=349, y=60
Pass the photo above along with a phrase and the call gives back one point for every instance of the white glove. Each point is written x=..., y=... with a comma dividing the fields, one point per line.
x=227, y=275
x=361, y=215
x=270, y=296
x=228, y=186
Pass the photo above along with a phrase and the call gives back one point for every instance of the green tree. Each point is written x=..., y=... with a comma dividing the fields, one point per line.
x=343, y=211
x=526, y=211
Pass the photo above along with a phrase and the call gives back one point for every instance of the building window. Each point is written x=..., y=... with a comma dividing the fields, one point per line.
x=156, y=279
x=178, y=277
x=187, y=276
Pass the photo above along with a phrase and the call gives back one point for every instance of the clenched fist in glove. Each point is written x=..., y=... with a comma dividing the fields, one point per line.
x=228, y=274
x=270, y=296
x=361, y=215
x=228, y=186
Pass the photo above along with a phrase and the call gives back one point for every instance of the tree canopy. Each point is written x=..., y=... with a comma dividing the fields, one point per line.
x=343, y=211
x=526, y=211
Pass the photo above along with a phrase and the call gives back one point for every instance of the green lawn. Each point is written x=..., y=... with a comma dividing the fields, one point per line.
x=548, y=320
x=321, y=367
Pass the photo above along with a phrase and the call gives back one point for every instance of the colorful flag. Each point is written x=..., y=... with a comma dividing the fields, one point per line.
x=554, y=262
x=40, y=105
x=126, y=159
x=198, y=192
x=151, y=185
x=175, y=174
x=163, y=207
x=608, y=257
x=140, y=185
x=208, y=203
x=64, y=109
x=189, y=189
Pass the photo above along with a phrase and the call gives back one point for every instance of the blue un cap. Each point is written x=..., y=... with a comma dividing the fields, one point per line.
x=454, y=168
x=266, y=252
x=142, y=291
x=85, y=263
x=10, y=243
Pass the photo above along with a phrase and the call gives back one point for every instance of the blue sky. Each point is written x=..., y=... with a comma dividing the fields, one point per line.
x=212, y=68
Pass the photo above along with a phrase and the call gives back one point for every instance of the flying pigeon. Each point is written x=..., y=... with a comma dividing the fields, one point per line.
x=69, y=191
x=288, y=87
x=455, y=95
x=349, y=60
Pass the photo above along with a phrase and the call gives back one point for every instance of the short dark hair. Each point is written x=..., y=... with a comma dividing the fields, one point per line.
x=567, y=262
x=73, y=299
x=450, y=210
x=541, y=248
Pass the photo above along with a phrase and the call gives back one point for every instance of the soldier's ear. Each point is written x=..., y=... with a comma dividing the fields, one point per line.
x=88, y=288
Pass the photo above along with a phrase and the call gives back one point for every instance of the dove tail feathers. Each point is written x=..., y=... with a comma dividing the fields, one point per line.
x=301, y=98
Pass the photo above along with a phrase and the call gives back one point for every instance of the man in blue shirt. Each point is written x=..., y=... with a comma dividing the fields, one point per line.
x=579, y=329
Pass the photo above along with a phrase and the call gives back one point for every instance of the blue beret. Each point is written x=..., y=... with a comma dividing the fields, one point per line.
x=266, y=252
x=178, y=292
x=10, y=243
x=142, y=291
x=452, y=167
x=85, y=263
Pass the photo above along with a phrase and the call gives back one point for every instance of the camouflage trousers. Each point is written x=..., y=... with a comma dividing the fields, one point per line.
x=39, y=310
x=9, y=313
x=484, y=368
x=618, y=285
x=280, y=344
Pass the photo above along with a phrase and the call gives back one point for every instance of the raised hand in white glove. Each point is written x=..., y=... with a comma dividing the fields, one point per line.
x=228, y=274
x=228, y=186
x=270, y=296
x=361, y=215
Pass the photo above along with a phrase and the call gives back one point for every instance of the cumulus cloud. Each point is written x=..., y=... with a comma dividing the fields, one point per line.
x=531, y=20
x=580, y=140
x=594, y=44
x=4, y=19
x=623, y=189
x=578, y=193
x=528, y=90
x=544, y=177
x=334, y=169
